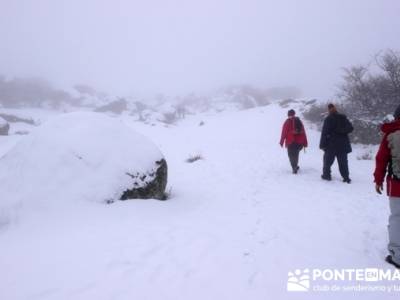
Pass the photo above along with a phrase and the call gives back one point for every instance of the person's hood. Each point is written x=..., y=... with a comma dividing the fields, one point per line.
x=390, y=127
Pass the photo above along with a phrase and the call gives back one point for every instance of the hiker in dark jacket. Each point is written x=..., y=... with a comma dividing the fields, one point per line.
x=335, y=143
x=388, y=164
x=295, y=138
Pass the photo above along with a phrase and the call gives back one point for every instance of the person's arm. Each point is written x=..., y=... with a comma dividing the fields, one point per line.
x=349, y=126
x=305, y=139
x=324, y=135
x=284, y=133
x=305, y=136
x=381, y=162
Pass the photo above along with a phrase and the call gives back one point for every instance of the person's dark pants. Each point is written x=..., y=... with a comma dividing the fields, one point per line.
x=293, y=153
x=329, y=158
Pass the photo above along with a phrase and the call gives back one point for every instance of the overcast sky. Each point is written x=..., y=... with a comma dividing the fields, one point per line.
x=178, y=46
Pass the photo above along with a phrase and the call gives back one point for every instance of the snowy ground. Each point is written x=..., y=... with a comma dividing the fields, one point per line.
x=237, y=222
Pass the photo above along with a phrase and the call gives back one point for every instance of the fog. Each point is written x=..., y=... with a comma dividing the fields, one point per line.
x=174, y=47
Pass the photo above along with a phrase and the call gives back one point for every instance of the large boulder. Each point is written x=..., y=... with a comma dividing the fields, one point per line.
x=156, y=183
x=4, y=127
x=83, y=156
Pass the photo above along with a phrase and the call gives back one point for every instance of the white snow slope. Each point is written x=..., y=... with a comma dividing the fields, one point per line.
x=237, y=222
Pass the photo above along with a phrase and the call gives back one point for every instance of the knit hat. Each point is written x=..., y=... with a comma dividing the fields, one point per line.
x=331, y=105
x=396, y=114
x=291, y=113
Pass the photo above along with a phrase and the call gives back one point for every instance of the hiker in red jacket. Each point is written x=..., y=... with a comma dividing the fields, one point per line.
x=388, y=164
x=294, y=137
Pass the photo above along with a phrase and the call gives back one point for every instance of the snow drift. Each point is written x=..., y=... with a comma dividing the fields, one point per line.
x=78, y=156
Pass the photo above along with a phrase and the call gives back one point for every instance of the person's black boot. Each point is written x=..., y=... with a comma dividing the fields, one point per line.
x=347, y=180
x=295, y=170
x=389, y=260
x=326, y=177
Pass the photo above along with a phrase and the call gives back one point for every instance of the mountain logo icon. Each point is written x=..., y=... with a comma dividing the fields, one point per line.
x=299, y=281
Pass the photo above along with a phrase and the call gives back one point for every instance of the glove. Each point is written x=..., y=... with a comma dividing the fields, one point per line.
x=379, y=188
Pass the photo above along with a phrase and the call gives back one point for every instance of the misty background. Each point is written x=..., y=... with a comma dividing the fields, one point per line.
x=177, y=47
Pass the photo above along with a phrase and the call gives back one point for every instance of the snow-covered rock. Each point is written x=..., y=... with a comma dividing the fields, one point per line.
x=82, y=156
x=4, y=127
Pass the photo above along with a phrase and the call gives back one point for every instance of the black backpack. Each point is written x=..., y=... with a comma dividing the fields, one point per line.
x=298, y=126
x=394, y=146
x=343, y=125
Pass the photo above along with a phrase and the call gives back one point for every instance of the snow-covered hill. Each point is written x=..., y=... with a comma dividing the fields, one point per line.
x=236, y=223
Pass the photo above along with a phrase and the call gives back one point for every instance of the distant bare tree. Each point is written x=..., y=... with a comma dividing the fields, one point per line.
x=389, y=63
x=369, y=95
